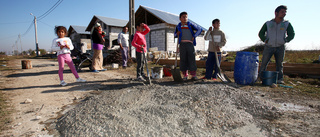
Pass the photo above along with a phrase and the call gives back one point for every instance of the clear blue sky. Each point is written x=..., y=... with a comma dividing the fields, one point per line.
x=241, y=20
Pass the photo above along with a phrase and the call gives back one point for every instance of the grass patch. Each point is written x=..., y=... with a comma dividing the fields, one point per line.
x=5, y=119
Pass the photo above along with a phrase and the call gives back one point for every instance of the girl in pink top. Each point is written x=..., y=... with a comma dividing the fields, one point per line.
x=139, y=41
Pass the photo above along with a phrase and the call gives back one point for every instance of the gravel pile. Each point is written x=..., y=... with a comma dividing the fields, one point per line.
x=178, y=110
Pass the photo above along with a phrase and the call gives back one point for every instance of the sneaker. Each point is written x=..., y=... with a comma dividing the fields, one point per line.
x=185, y=78
x=204, y=78
x=140, y=78
x=194, y=78
x=124, y=67
x=103, y=70
x=214, y=78
x=145, y=77
x=62, y=83
x=280, y=82
x=96, y=71
x=80, y=80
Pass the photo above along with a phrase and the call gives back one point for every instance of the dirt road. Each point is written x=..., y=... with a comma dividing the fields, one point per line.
x=41, y=85
x=200, y=105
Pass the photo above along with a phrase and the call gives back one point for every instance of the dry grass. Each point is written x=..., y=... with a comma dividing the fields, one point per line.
x=290, y=56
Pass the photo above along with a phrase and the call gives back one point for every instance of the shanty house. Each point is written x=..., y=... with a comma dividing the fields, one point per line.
x=79, y=35
x=162, y=26
x=110, y=25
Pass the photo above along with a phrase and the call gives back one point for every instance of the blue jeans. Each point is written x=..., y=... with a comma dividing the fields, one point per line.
x=211, y=64
x=278, y=53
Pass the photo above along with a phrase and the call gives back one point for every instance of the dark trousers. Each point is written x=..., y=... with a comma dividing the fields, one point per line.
x=140, y=64
x=187, y=57
x=211, y=64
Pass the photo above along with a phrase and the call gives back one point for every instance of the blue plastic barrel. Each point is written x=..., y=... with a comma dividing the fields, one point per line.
x=269, y=77
x=246, y=68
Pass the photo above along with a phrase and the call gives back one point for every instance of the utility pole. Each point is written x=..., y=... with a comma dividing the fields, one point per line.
x=131, y=23
x=36, y=35
x=20, y=43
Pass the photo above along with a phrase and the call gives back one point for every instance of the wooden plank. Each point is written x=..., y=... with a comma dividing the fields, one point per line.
x=288, y=68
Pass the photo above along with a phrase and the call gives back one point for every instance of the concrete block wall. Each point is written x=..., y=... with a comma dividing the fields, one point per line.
x=156, y=36
x=171, y=41
x=162, y=36
x=158, y=39
x=200, y=43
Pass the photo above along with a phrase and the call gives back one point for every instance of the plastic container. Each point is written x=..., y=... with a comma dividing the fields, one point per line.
x=269, y=77
x=246, y=68
x=167, y=70
x=156, y=72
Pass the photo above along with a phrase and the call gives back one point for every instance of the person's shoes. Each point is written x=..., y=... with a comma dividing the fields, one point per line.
x=185, y=78
x=145, y=77
x=194, y=78
x=204, y=78
x=80, y=80
x=96, y=71
x=280, y=82
x=214, y=78
x=124, y=67
x=62, y=83
x=103, y=70
x=140, y=78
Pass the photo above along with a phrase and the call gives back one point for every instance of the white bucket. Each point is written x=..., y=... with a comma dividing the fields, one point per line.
x=115, y=65
x=156, y=72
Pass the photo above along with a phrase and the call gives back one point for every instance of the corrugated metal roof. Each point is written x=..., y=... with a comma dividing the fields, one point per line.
x=167, y=17
x=80, y=29
x=112, y=21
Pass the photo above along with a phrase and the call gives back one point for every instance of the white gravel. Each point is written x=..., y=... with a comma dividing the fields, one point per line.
x=176, y=110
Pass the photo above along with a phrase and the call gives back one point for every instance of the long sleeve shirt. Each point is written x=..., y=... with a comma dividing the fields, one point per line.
x=58, y=42
x=139, y=39
x=276, y=34
x=217, y=40
x=123, y=39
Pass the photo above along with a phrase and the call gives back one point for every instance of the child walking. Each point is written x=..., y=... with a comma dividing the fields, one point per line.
x=62, y=45
x=217, y=40
x=187, y=40
x=139, y=41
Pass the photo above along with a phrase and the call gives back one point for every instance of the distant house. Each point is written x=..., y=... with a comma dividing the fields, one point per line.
x=110, y=25
x=78, y=35
x=162, y=26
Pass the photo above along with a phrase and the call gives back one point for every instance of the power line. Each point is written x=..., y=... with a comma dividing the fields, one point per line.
x=46, y=24
x=50, y=10
x=30, y=26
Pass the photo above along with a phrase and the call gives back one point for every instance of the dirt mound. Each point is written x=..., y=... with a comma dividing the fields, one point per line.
x=188, y=110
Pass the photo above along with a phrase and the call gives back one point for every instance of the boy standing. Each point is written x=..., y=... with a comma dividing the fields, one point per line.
x=139, y=41
x=187, y=40
x=217, y=41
